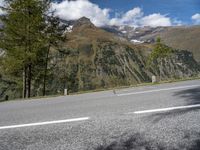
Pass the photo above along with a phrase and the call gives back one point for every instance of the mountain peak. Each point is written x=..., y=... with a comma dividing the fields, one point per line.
x=83, y=21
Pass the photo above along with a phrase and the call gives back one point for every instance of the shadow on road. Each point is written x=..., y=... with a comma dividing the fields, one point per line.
x=134, y=142
x=192, y=96
x=196, y=145
x=159, y=116
x=191, y=141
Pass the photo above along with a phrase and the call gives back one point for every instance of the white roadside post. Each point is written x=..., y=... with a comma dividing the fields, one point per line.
x=65, y=92
x=154, y=80
x=114, y=92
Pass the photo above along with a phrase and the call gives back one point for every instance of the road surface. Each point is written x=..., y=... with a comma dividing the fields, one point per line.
x=163, y=116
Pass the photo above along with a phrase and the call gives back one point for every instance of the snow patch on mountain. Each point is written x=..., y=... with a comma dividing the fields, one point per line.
x=137, y=41
x=69, y=29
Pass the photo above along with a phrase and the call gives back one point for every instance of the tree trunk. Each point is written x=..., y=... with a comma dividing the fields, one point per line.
x=29, y=80
x=160, y=68
x=45, y=71
x=24, y=83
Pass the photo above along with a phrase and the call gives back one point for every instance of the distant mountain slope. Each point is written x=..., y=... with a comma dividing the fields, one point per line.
x=185, y=38
x=180, y=37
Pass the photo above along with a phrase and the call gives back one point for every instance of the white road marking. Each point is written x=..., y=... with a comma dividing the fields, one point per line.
x=44, y=123
x=158, y=90
x=165, y=109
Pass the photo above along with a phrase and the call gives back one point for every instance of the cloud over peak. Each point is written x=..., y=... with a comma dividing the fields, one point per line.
x=73, y=10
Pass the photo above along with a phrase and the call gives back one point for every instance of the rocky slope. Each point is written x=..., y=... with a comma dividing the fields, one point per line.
x=101, y=59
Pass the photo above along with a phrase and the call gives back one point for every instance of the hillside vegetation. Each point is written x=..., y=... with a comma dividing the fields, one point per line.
x=184, y=38
x=181, y=37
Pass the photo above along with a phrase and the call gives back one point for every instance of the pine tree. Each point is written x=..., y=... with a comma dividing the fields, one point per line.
x=22, y=38
x=159, y=54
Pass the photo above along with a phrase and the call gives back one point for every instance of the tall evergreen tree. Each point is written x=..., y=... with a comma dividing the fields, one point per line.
x=22, y=38
x=159, y=54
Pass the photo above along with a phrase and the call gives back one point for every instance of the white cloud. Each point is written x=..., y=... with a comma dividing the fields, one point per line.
x=196, y=18
x=155, y=20
x=73, y=10
x=2, y=3
x=135, y=17
x=129, y=18
x=177, y=22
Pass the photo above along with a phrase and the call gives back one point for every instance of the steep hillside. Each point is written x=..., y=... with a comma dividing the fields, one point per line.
x=180, y=37
x=98, y=59
x=101, y=59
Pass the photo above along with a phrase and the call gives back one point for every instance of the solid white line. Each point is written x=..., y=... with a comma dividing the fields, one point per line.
x=44, y=123
x=164, y=109
x=158, y=90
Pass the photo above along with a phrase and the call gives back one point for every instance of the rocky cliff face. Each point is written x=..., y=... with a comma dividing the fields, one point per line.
x=104, y=64
x=180, y=64
x=109, y=64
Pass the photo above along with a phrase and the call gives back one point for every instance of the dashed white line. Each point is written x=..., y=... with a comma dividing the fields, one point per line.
x=158, y=90
x=165, y=109
x=44, y=123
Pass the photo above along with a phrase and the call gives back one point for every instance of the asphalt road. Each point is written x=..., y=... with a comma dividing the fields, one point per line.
x=163, y=116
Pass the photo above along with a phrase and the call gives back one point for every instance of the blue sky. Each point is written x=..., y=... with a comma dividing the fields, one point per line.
x=131, y=12
x=177, y=9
